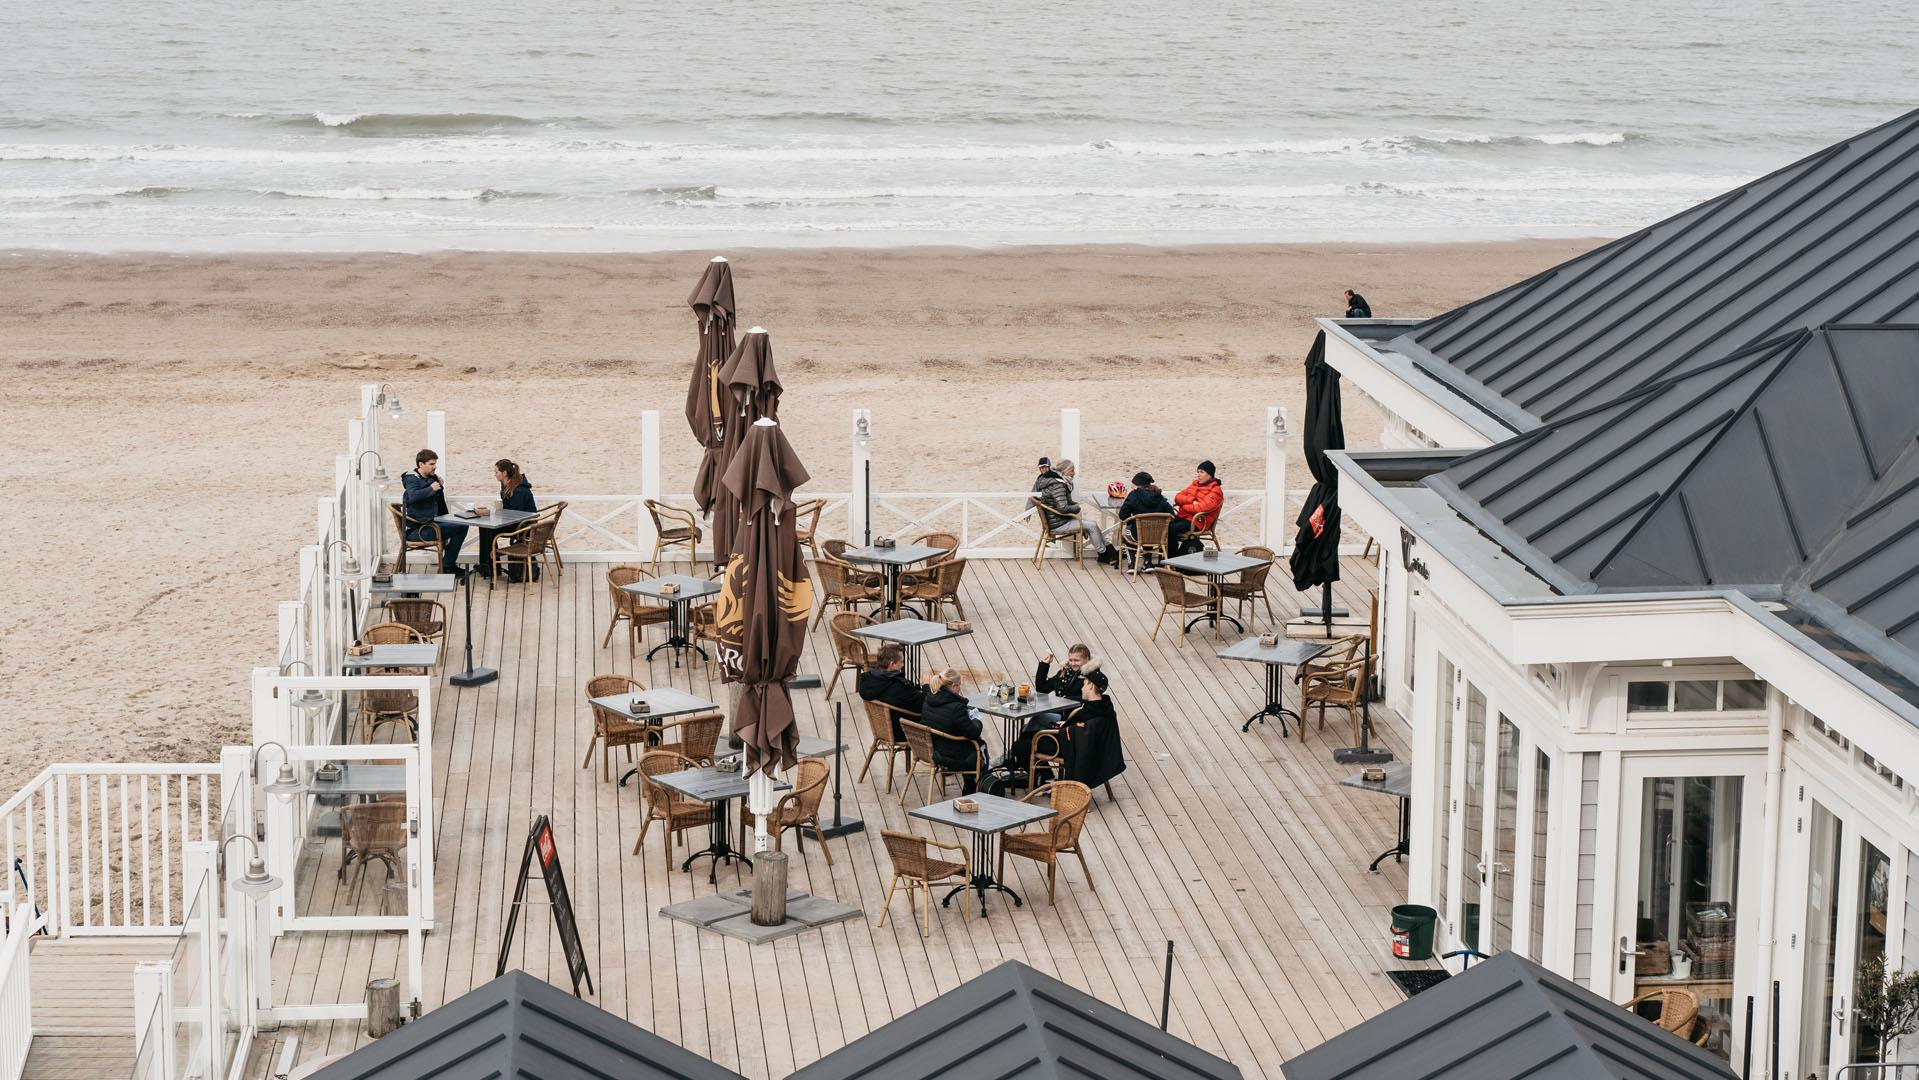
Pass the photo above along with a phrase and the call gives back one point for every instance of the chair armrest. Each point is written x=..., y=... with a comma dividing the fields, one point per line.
x=966, y=853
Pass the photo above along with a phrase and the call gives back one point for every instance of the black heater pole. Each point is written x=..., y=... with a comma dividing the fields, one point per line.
x=1775, y=1029
x=869, y=502
x=1364, y=754
x=1166, y=993
x=472, y=676
x=841, y=825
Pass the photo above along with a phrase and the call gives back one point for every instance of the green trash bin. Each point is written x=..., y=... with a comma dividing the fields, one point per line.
x=1413, y=931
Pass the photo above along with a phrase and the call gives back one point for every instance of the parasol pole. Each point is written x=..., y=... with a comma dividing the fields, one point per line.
x=759, y=800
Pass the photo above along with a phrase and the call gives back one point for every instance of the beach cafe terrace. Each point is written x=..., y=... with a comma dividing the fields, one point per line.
x=235, y=918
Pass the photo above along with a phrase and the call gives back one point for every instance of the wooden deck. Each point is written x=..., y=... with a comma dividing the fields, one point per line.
x=83, y=1004
x=1240, y=848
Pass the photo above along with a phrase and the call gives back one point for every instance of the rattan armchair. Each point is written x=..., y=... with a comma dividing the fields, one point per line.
x=1188, y=596
x=849, y=648
x=879, y=719
x=1251, y=584
x=632, y=607
x=914, y=864
x=835, y=549
x=806, y=524
x=426, y=617
x=800, y=807
x=1051, y=521
x=610, y=729
x=696, y=737
x=673, y=527
x=1142, y=536
x=369, y=831
x=937, y=588
x=1057, y=835
x=1339, y=685
x=841, y=587
x=1209, y=534
x=921, y=740
x=534, y=543
x=676, y=812
x=378, y=708
x=1678, y=1008
x=429, y=539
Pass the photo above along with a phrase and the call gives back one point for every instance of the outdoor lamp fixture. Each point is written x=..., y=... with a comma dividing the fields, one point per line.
x=285, y=785
x=379, y=468
x=863, y=429
x=349, y=568
x=256, y=881
x=388, y=403
x=1279, y=423
x=312, y=699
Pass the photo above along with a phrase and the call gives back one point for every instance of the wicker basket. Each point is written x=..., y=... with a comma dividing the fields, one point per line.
x=1700, y=927
x=1711, y=959
x=1655, y=958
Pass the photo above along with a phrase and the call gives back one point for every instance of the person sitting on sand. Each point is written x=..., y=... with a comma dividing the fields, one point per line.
x=1197, y=505
x=946, y=712
x=425, y=499
x=1357, y=307
x=1056, y=492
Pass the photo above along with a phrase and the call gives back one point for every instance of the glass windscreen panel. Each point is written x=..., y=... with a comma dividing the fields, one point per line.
x=1875, y=890
x=1824, y=833
x=1444, y=692
x=1688, y=897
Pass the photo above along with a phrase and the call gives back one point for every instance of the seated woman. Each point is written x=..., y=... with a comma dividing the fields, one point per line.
x=516, y=493
x=946, y=712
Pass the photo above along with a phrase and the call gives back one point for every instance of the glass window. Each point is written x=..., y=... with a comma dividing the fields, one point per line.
x=1688, y=893
x=1542, y=800
x=1472, y=826
x=1505, y=835
x=1744, y=694
x=1875, y=888
x=1822, y=932
x=1647, y=696
x=1696, y=695
x=1445, y=694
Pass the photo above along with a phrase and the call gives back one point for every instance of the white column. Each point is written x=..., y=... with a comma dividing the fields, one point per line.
x=759, y=803
x=1069, y=438
x=153, y=995
x=856, y=523
x=649, y=475
x=1273, y=531
x=436, y=438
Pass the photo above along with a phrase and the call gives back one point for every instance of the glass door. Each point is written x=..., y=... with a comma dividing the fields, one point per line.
x=1505, y=836
x=1816, y=1013
x=1472, y=821
x=1850, y=893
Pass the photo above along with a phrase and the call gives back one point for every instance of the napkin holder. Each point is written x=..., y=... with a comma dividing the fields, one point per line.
x=958, y=624
x=668, y=589
x=1267, y=641
x=965, y=806
x=358, y=650
x=1373, y=774
x=886, y=543
x=729, y=765
x=329, y=772
x=638, y=707
x=483, y=511
x=383, y=579
x=1210, y=554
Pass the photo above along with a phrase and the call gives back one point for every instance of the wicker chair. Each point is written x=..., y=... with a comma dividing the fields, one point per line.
x=945, y=541
x=1144, y=535
x=1210, y=534
x=1678, y=1008
x=879, y=718
x=841, y=587
x=675, y=811
x=429, y=540
x=914, y=864
x=1251, y=585
x=1338, y=685
x=938, y=588
x=426, y=617
x=629, y=606
x=921, y=739
x=695, y=737
x=836, y=550
x=610, y=729
x=801, y=806
x=381, y=707
x=806, y=522
x=1058, y=835
x=850, y=648
x=673, y=527
x=1188, y=596
x=534, y=543
x=369, y=831
x=1051, y=522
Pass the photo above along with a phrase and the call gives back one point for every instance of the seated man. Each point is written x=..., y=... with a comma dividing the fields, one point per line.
x=1197, y=505
x=425, y=499
x=886, y=682
x=1067, y=683
x=1055, y=489
x=1091, y=740
x=516, y=493
x=947, y=713
x=1145, y=498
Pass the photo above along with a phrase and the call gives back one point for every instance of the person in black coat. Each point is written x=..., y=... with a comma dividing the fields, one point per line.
x=424, y=499
x=516, y=493
x=886, y=682
x=1357, y=307
x=1092, y=747
x=1068, y=682
x=946, y=712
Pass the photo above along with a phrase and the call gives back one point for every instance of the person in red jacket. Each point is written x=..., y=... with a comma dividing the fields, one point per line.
x=1197, y=505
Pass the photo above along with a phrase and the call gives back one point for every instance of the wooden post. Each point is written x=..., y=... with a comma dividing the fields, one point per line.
x=436, y=438
x=382, y=1006
x=1273, y=521
x=649, y=476
x=1069, y=438
x=769, y=888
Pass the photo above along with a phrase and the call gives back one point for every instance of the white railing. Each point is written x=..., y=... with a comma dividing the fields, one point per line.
x=98, y=848
x=16, y=993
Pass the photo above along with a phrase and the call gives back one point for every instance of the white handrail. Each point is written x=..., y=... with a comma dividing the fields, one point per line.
x=16, y=993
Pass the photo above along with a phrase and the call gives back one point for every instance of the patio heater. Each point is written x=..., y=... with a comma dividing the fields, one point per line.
x=472, y=676
x=863, y=436
x=841, y=824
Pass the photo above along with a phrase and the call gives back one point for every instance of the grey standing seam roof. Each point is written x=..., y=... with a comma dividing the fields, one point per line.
x=520, y=1027
x=1833, y=238
x=1504, y=1019
x=1013, y=1022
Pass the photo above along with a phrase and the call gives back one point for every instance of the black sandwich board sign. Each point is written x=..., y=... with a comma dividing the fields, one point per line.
x=539, y=844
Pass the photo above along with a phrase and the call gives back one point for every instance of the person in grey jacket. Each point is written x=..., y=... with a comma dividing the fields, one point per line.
x=1055, y=489
x=425, y=499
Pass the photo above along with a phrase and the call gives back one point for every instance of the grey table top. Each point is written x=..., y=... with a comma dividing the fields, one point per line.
x=909, y=632
x=809, y=747
x=498, y=519
x=1284, y=651
x=415, y=583
x=898, y=555
x=661, y=701
x=691, y=588
x=995, y=815
x=1032, y=706
x=711, y=785
x=1214, y=563
x=1398, y=782
x=362, y=778
x=418, y=656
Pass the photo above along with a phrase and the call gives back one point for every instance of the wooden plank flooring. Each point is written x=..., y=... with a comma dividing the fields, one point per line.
x=83, y=1004
x=1239, y=848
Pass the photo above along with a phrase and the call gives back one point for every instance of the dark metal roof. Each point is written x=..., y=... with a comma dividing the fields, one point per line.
x=1013, y=1022
x=517, y=1026
x=1506, y=1018
x=1830, y=239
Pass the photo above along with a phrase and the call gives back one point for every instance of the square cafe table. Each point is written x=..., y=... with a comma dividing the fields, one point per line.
x=1014, y=714
x=910, y=633
x=1215, y=565
x=394, y=656
x=414, y=585
x=996, y=815
x=495, y=521
x=891, y=561
x=717, y=789
x=1277, y=656
x=661, y=702
x=1398, y=784
x=679, y=632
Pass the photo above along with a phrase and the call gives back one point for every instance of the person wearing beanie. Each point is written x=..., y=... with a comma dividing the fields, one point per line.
x=1145, y=498
x=1055, y=492
x=1070, y=683
x=1045, y=468
x=1197, y=504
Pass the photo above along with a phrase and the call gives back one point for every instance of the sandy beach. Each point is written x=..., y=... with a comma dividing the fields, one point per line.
x=171, y=419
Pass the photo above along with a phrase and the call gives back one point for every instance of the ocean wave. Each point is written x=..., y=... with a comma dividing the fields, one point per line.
x=1550, y=138
x=57, y=194
x=358, y=193
x=400, y=125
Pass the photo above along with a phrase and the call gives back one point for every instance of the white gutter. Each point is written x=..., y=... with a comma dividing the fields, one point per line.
x=1427, y=404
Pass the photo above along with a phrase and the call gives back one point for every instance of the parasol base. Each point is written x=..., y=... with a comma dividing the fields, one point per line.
x=1358, y=755
x=1320, y=613
x=478, y=676
x=842, y=827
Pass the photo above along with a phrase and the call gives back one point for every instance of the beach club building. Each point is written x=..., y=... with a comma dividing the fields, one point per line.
x=1650, y=575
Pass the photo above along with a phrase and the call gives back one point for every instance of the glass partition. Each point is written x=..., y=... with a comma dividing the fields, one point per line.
x=1472, y=827
x=1822, y=935
x=148, y=1058
x=1444, y=849
x=190, y=989
x=1542, y=803
x=1505, y=835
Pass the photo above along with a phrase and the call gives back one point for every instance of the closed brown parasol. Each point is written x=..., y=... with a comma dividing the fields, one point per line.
x=749, y=390
x=706, y=406
x=765, y=601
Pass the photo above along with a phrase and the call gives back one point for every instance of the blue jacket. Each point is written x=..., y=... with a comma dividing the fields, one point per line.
x=421, y=501
x=520, y=498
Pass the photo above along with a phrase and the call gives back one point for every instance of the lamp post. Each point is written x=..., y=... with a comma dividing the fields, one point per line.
x=256, y=882
x=379, y=477
x=285, y=785
x=388, y=403
x=863, y=453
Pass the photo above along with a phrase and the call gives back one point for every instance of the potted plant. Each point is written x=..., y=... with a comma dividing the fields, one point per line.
x=1888, y=1003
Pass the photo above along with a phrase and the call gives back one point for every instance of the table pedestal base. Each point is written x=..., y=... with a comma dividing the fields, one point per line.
x=1404, y=846
x=678, y=637
x=1215, y=617
x=1275, y=705
x=982, y=880
x=720, y=848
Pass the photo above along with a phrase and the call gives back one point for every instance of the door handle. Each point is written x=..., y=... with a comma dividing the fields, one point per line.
x=1839, y=1013
x=1626, y=950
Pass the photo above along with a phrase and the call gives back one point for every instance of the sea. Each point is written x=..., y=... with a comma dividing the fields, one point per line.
x=591, y=125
